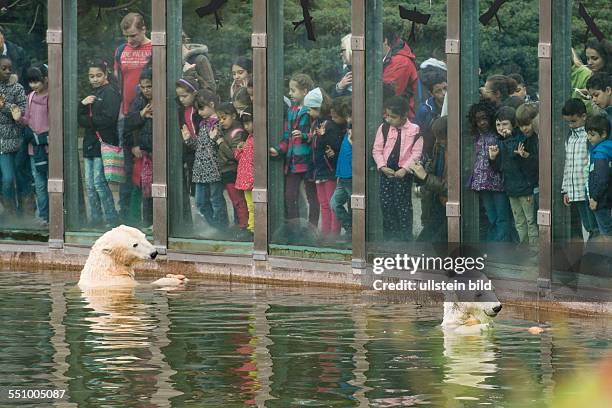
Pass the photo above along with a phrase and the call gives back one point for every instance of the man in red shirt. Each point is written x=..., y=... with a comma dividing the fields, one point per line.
x=130, y=58
x=399, y=70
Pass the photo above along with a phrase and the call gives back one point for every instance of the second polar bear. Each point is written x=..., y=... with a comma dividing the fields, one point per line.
x=113, y=256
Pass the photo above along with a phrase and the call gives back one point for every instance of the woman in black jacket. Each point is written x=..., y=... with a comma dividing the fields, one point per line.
x=98, y=114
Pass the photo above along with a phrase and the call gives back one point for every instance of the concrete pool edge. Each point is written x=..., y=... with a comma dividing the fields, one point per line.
x=277, y=271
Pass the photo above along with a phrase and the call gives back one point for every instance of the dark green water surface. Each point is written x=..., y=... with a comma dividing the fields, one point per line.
x=233, y=345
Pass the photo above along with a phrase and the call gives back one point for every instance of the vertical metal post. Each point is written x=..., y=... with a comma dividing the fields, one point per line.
x=545, y=137
x=260, y=117
x=453, y=63
x=160, y=185
x=469, y=57
x=56, y=125
x=358, y=202
x=374, y=97
x=173, y=141
x=555, y=72
x=275, y=107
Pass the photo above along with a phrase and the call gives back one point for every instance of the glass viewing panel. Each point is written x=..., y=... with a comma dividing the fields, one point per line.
x=406, y=78
x=309, y=103
x=108, y=140
x=210, y=124
x=499, y=113
x=24, y=122
x=581, y=98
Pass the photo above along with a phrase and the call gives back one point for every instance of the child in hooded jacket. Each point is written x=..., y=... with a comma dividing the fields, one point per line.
x=326, y=136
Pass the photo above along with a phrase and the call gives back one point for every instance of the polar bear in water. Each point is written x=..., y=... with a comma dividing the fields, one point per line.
x=469, y=311
x=113, y=256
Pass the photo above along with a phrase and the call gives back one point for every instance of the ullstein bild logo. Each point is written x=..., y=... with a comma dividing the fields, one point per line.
x=412, y=264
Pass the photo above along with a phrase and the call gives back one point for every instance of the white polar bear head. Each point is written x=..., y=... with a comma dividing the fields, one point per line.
x=125, y=245
x=470, y=307
x=113, y=255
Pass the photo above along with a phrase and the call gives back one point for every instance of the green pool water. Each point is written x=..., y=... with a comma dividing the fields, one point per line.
x=229, y=345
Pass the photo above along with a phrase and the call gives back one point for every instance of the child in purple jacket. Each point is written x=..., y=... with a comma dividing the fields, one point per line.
x=485, y=180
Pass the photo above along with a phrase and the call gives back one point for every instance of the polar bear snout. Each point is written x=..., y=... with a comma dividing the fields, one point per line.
x=493, y=311
x=154, y=254
x=497, y=308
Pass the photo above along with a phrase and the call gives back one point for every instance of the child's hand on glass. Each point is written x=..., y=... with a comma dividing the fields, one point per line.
x=418, y=170
x=137, y=152
x=2, y=100
x=493, y=152
x=387, y=172
x=15, y=112
x=350, y=136
x=592, y=204
x=240, y=146
x=321, y=129
x=521, y=151
x=187, y=66
x=185, y=132
x=329, y=152
x=147, y=111
x=88, y=100
x=296, y=133
x=273, y=152
x=213, y=133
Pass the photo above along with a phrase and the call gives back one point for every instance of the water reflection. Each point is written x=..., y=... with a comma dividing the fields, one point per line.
x=247, y=345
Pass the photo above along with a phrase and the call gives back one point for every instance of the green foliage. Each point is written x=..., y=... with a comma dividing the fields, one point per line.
x=514, y=49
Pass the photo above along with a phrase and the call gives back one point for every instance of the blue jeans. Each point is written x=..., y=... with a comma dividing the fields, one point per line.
x=603, y=216
x=7, y=168
x=342, y=195
x=210, y=202
x=40, y=184
x=23, y=173
x=499, y=214
x=98, y=192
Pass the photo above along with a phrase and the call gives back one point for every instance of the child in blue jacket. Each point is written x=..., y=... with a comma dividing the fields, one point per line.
x=599, y=186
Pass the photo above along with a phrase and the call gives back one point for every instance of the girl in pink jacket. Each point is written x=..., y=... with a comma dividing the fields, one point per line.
x=397, y=147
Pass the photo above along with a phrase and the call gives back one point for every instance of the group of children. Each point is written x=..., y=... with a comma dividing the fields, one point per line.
x=505, y=172
x=24, y=123
x=316, y=146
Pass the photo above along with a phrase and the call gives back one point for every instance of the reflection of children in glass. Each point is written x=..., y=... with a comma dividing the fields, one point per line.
x=434, y=192
x=397, y=146
x=516, y=164
x=98, y=115
x=36, y=118
x=139, y=125
x=296, y=150
x=209, y=198
x=228, y=136
x=244, y=155
x=10, y=134
x=189, y=119
x=484, y=180
x=600, y=171
x=341, y=114
x=326, y=136
x=575, y=170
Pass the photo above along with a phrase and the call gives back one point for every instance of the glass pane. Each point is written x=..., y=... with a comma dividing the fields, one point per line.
x=406, y=129
x=499, y=135
x=581, y=214
x=309, y=102
x=24, y=122
x=105, y=53
x=210, y=141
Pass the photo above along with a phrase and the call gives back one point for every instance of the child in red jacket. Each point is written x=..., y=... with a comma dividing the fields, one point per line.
x=244, y=155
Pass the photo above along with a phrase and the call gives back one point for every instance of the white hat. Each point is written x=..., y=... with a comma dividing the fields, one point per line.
x=314, y=98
